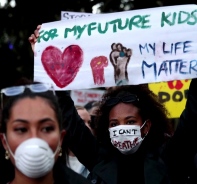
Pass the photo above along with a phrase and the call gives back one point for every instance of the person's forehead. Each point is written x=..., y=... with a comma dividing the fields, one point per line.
x=28, y=106
x=83, y=113
x=124, y=108
x=93, y=110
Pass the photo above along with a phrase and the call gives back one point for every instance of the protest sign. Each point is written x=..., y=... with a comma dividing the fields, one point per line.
x=132, y=47
x=67, y=15
x=82, y=97
x=173, y=94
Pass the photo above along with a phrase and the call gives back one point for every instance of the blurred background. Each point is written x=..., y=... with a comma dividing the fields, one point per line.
x=19, y=18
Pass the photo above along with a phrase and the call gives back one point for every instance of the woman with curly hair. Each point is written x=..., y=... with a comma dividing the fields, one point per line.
x=144, y=104
x=131, y=129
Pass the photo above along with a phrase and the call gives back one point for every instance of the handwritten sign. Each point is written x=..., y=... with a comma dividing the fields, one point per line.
x=82, y=97
x=67, y=15
x=132, y=47
x=173, y=94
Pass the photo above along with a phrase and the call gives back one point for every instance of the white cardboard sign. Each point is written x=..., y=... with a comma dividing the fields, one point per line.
x=132, y=47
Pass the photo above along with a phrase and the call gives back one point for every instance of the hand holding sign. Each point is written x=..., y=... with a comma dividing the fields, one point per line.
x=162, y=47
x=33, y=38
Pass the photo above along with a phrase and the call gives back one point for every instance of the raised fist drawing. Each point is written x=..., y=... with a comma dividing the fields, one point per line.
x=97, y=64
x=119, y=58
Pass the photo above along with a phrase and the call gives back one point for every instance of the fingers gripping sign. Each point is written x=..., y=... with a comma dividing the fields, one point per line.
x=33, y=38
x=120, y=57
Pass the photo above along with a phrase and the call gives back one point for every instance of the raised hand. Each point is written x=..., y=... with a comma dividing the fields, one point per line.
x=33, y=38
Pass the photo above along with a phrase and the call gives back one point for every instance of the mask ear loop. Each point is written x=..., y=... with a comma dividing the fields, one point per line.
x=142, y=127
x=57, y=149
x=10, y=151
x=146, y=134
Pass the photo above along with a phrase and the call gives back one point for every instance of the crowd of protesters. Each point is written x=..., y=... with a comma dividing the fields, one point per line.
x=123, y=140
x=38, y=124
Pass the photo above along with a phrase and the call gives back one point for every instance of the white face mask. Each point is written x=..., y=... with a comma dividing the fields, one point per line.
x=33, y=157
x=126, y=138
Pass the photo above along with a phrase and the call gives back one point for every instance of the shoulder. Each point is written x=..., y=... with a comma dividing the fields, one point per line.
x=64, y=175
x=104, y=172
x=75, y=178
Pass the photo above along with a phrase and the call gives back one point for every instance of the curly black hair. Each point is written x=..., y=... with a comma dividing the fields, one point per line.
x=149, y=108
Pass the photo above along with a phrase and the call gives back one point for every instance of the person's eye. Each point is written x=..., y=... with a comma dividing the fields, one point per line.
x=20, y=130
x=113, y=124
x=130, y=122
x=48, y=129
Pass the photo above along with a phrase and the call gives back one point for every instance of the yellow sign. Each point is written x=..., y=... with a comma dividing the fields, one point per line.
x=173, y=94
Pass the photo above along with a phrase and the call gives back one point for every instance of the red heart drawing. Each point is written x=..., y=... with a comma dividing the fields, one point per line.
x=62, y=68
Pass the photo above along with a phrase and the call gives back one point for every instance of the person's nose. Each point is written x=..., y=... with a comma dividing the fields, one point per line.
x=34, y=133
x=122, y=122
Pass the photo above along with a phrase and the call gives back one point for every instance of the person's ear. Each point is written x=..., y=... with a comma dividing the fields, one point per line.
x=146, y=127
x=3, y=141
x=63, y=133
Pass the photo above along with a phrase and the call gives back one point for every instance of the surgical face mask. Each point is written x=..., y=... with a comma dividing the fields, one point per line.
x=126, y=138
x=33, y=157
